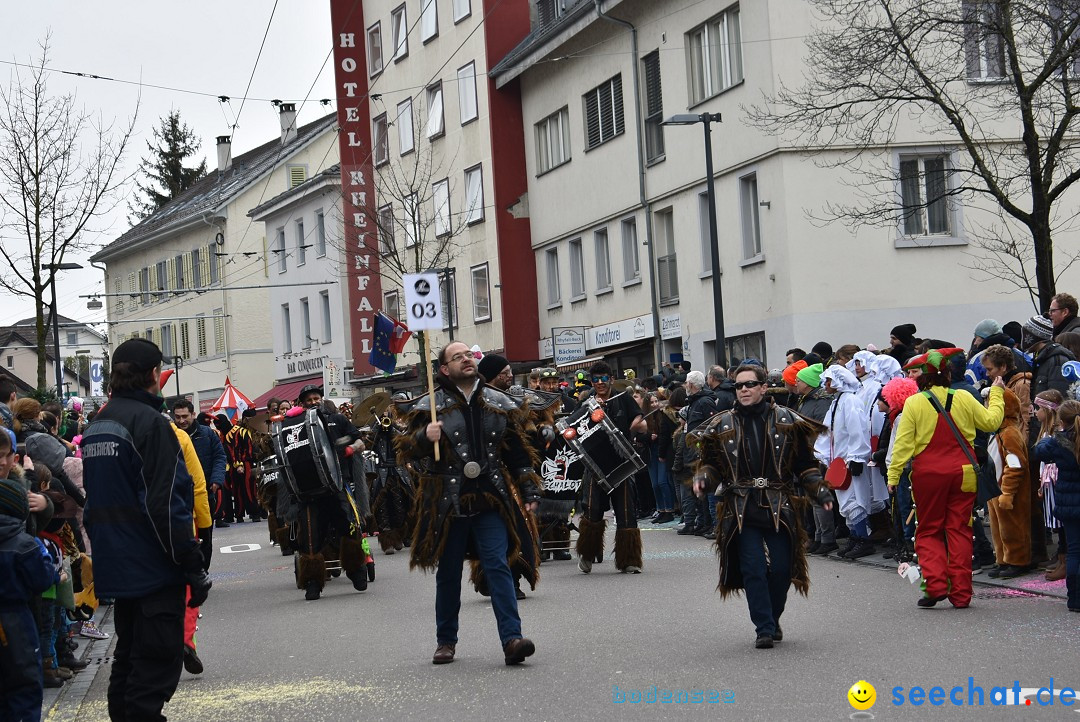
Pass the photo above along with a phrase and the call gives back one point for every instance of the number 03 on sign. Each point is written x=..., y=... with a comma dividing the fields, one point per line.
x=423, y=303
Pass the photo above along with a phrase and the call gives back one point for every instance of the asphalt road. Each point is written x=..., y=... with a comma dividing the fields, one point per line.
x=270, y=655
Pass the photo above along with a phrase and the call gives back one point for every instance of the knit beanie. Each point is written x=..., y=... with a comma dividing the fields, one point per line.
x=811, y=375
x=1038, y=328
x=791, y=372
x=906, y=333
x=987, y=328
x=13, y=501
x=823, y=349
x=491, y=365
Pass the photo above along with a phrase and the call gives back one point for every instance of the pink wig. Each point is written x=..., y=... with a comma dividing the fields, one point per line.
x=897, y=391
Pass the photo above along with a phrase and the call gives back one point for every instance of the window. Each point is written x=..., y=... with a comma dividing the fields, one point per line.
x=279, y=251
x=374, y=49
x=301, y=247
x=162, y=278
x=429, y=20
x=195, y=267
x=391, y=305
x=405, y=127
x=327, y=326
x=474, y=194
x=144, y=285
x=305, y=324
x=219, y=331
x=603, y=261
x=167, y=351
x=924, y=195
x=481, y=294
x=984, y=46
x=703, y=233
x=411, y=220
x=603, y=112
x=399, y=28
x=751, y=227
x=750, y=345
x=448, y=292
x=72, y=340
x=667, y=267
x=715, y=56
x=320, y=234
x=170, y=275
x=577, y=271
x=11, y=360
x=553, y=141
x=382, y=147
x=654, y=108
x=214, y=261
x=133, y=287
x=631, y=269
x=149, y=334
x=548, y=11
x=200, y=334
x=554, y=293
x=435, y=125
x=440, y=197
x=286, y=328
x=462, y=10
x=1063, y=15
x=185, y=341
x=181, y=275
x=118, y=288
x=386, y=229
x=466, y=77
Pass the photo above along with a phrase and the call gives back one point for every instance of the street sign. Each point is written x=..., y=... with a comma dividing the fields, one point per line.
x=423, y=304
x=334, y=379
x=97, y=376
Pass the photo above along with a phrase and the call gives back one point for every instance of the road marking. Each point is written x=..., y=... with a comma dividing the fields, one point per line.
x=238, y=548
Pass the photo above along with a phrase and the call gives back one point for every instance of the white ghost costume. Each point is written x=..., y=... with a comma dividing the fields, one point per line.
x=848, y=438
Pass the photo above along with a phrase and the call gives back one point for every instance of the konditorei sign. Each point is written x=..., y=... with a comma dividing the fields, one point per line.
x=628, y=330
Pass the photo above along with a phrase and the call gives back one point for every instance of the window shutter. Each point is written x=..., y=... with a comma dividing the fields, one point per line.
x=189, y=276
x=653, y=102
x=616, y=100
x=170, y=270
x=297, y=175
x=204, y=265
x=592, y=119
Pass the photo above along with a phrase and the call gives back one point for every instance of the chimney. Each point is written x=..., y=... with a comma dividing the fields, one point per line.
x=288, y=122
x=224, y=153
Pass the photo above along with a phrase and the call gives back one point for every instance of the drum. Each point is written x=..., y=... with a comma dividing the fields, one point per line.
x=270, y=474
x=602, y=447
x=310, y=460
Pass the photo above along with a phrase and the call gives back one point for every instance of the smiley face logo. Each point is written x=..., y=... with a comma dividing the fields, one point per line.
x=862, y=695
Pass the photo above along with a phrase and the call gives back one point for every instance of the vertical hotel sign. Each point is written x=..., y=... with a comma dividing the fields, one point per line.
x=357, y=183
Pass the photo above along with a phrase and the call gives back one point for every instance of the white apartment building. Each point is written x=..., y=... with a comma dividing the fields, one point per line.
x=449, y=166
x=619, y=213
x=308, y=293
x=195, y=276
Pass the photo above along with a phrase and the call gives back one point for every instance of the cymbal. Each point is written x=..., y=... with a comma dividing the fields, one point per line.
x=364, y=413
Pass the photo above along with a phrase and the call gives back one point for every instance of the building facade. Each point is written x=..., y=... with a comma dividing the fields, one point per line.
x=619, y=210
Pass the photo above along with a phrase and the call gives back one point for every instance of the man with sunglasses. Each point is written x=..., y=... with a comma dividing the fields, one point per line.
x=626, y=415
x=753, y=455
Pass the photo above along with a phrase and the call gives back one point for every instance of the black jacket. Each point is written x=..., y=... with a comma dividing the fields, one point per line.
x=724, y=394
x=815, y=405
x=701, y=405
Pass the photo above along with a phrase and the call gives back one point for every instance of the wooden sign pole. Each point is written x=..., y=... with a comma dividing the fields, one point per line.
x=426, y=355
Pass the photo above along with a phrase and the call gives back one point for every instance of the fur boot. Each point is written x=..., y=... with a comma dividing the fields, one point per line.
x=590, y=541
x=353, y=562
x=389, y=540
x=628, y=549
x=311, y=568
x=281, y=536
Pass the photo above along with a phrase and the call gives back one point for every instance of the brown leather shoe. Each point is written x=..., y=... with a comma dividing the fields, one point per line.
x=444, y=654
x=516, y=650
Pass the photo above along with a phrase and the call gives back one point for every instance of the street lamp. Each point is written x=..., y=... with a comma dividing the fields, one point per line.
x=707, y=119
x=55, y=267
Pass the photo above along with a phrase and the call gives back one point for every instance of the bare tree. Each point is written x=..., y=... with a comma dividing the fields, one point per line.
x=965, y=74
x=59, y=172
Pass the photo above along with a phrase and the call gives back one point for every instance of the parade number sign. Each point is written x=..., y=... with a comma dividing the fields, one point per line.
x=423, y=304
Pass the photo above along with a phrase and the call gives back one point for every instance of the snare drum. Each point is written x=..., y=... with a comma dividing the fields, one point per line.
x=602, y=447
x=310, y=461
x=270, y=473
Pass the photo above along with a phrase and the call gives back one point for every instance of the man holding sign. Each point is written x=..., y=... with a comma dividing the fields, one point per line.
x=471, y=496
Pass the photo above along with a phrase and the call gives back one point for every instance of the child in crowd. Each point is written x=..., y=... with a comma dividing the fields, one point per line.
x=1063, y=449
x=1045, y=409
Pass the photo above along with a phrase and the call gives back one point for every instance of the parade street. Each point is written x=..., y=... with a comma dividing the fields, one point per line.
x=270, y=655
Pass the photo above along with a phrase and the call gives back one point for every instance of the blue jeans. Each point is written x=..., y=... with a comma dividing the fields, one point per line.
x=489, y=539
x=1072, y=541
x=766, y=583
x=660, y=475
x=903, y=495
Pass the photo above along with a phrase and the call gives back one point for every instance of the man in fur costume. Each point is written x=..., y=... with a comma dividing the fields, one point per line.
x=626, y=415
x=756, y=453
x=336, y=512
x=1010, y=513
x=474, y=500
x=392, y=491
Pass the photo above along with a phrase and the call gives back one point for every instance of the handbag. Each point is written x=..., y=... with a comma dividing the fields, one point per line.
x=986, y=483
x=838, y=476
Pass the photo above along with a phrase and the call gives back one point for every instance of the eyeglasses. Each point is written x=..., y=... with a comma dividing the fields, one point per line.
x=549, y=374
x=601, y=379
x=459, y=357
x=748, y=385
x=1053, y=310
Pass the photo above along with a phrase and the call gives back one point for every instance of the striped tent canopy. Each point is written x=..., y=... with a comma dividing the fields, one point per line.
x=231, y=402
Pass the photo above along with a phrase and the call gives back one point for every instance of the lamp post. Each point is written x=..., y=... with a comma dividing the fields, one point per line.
x=707, y=119
x=55, y=268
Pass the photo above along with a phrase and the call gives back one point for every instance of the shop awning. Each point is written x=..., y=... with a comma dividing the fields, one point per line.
x=584, y=363
x=288, y=391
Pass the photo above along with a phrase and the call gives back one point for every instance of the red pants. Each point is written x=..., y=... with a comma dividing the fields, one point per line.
x=191, y=617
x=943, y=535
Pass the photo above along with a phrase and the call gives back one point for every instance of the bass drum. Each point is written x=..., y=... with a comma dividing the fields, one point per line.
x=311, y=463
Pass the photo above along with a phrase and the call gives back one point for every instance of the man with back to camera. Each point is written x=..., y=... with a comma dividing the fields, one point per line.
x=139, y=499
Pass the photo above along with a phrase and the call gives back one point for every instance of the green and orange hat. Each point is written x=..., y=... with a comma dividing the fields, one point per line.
x=935, y=359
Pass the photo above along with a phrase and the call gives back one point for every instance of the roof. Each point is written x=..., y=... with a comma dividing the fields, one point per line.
x=11, y=336
x=215, y=189
x=65, y=323
x=332, y=173
x=514, y=62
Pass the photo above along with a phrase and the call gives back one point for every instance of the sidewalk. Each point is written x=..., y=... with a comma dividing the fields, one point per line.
x=63, y=704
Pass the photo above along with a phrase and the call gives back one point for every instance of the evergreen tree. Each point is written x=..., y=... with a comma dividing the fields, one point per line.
x=163, y=170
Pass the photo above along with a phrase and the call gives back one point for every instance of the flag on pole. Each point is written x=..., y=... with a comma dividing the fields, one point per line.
x=400, y=336
x=382, y=356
